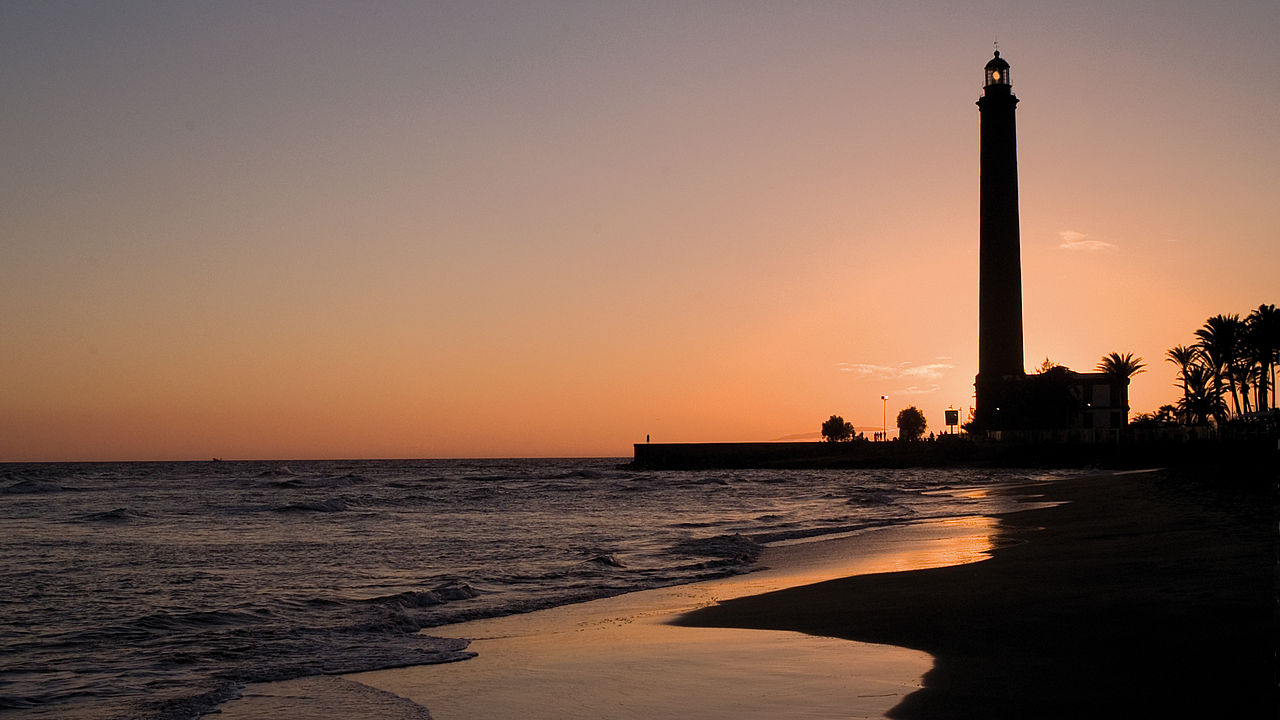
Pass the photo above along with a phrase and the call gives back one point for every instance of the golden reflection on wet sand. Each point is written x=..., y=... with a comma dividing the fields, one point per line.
x=617, y=657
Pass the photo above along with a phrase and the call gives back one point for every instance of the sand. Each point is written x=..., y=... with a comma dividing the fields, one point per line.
x=1131, y=595
x=620, y=658
x=1145, y=596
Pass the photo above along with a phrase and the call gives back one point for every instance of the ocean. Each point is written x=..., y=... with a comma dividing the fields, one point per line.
x=157, y=590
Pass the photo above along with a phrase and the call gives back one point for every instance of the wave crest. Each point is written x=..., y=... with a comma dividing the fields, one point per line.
x=449, y=592
x=727, y=549
x=119, y=515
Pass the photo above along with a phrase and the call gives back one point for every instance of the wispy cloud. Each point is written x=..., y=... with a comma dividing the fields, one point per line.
x=918, y=378
x=1072, y=240
x=932, y=371
x=917, y=390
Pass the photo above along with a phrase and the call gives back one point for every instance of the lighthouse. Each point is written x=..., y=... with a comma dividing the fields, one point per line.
x=999, y=265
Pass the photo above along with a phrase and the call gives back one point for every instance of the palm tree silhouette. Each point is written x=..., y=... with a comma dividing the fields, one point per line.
x=1184, y=357
x=1262, y=331
x=1222, y=345
x=1121, y=366
x=1201, y=398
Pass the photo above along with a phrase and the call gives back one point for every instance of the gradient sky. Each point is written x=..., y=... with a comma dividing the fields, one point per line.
x=430, y=229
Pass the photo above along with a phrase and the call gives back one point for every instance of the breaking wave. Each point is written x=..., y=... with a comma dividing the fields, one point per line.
x=118, y=515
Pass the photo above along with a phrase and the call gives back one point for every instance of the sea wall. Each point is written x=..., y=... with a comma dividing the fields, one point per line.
x=952, y=451
x=698, y=456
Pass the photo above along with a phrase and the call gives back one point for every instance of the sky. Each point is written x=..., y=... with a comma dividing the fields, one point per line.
x=478, y=229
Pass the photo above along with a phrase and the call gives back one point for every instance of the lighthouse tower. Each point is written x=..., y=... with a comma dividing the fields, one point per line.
x=1000, y=264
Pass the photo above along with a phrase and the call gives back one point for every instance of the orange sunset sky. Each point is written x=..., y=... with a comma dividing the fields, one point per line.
x=347, y=229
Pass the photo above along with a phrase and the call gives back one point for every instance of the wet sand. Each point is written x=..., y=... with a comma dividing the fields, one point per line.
x=621, y=658
x=1143, y=596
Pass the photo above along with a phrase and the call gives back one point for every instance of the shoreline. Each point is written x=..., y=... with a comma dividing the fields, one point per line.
x=1144, y=595
x=620, y=657
x=1122, y=595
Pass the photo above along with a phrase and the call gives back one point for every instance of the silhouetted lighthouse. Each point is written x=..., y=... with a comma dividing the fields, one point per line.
x=1000, y=264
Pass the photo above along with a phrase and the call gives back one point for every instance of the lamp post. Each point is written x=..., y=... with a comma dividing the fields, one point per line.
x=884, y=415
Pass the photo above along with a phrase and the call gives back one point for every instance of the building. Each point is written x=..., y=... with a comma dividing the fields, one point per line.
x=1104, y=401
x=1000, y=256
x=1006, y=397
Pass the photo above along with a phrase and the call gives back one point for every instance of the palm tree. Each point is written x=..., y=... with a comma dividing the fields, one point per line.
x=1221, y=344
x=1263, y=334
x=1201, y=396
x=1121, y=366
x=1184, y=357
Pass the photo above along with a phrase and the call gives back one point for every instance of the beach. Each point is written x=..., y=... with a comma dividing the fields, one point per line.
x=208, y=577
x=1128, y=595
x=621, y=657
x=1141, y=595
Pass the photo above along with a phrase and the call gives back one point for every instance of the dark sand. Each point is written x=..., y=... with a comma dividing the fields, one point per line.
x=1145, y=596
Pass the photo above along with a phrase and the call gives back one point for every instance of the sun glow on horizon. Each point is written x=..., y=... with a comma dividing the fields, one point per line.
x=437, y=232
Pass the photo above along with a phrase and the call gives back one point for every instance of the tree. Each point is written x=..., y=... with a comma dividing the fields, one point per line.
x=1222, y=346
x=1121, y=366
x=911, y=423
x=1201, y=397
x=1164, y=415
x=1046, y=366
x=1232, y=357
x=1262, y=333
x=1184, y=357
x=835, y=429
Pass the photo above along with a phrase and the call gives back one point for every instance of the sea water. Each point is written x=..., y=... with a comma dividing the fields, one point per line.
x=157, y=590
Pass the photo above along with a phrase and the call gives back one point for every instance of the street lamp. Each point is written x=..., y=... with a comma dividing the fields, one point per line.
x=884, y=415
